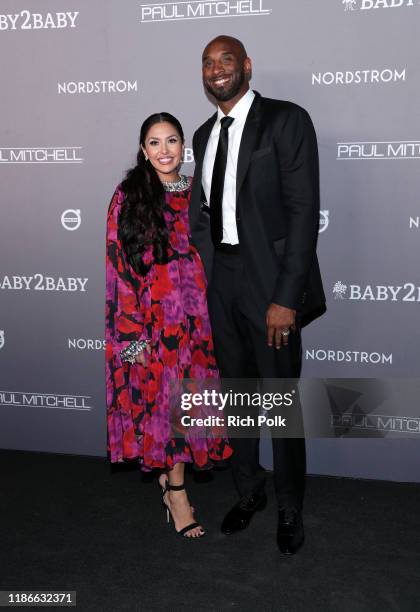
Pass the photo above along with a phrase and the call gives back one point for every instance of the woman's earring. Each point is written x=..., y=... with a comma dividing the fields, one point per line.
x=146, y=157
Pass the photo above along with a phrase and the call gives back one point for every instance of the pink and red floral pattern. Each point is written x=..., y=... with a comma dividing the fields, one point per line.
x=168, y=307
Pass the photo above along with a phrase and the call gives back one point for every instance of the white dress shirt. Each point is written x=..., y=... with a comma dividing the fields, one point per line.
x=239, y=112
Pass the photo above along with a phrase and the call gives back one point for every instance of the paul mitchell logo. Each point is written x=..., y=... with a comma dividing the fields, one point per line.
x=409, y=292
x=338, y=356
x=83, y=344
x=96, y=87
x=1, y=338
x=71, y=219
x=367, y=5
x=39, y=282
x=45, y=400
x=25, y=20
x=197, y=9
x=363, y=408
x=376, y=422
x=399, y=149
x=359, y=77
x=324, y=220
x=41, y=155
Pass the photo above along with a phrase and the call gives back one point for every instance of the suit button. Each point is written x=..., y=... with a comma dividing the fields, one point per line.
x=238, y=218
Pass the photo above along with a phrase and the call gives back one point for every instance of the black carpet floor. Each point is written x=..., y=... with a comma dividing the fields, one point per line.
x=73, y=523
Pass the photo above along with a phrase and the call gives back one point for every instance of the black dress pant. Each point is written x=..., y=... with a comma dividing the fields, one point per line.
x=242, y=352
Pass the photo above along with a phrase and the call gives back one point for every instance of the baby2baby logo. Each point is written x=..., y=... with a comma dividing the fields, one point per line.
x=40, y=282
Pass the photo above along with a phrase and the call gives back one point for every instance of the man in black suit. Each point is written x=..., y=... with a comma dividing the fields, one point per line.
x=254, y=218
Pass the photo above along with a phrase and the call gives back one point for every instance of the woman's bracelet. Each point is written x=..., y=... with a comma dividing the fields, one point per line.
x=132, y=350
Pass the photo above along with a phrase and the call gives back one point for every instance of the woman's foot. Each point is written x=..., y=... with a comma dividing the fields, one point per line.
x=182, y=514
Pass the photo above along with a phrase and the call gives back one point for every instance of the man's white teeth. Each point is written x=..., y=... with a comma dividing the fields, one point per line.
x=221, y=81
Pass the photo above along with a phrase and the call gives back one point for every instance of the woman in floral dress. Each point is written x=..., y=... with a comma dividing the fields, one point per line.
x=157, y=324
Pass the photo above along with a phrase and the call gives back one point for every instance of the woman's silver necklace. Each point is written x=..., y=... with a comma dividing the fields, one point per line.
x=179, y=185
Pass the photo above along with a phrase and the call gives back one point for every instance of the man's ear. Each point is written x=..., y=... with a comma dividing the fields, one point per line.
x=248, y=67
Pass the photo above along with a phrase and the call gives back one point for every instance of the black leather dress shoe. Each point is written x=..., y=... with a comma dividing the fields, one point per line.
x=290, y=533
x=239, y=517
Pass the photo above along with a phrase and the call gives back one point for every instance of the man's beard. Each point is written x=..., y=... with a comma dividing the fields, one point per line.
x=223, y=95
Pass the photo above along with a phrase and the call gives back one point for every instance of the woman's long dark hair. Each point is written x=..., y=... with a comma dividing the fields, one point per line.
x=141, y=221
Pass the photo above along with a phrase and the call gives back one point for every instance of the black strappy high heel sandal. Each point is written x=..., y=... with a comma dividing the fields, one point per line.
x=164, y=491
x=184, y=530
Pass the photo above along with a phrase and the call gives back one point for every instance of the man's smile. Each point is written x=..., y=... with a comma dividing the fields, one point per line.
x=220, y=81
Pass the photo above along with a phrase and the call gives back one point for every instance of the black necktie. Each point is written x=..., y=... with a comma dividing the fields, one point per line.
x=218, y=181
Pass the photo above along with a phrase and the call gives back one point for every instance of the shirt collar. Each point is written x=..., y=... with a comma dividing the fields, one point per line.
x=240, y=111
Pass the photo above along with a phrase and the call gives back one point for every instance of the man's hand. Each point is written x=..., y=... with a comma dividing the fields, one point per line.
x=279, y=319
x=141, y=357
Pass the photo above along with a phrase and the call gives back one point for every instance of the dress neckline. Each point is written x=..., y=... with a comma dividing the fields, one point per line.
x=181, y=185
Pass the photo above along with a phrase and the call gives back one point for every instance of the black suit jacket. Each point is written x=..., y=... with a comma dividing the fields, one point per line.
x=277, y=208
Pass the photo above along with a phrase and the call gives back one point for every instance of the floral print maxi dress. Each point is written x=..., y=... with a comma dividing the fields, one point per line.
x=168, y=307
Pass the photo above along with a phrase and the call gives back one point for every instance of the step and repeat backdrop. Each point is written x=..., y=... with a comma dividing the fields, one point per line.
x=78, y=78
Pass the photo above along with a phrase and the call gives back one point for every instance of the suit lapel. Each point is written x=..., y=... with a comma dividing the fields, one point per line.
x=207, y=128
x=248, y=141
x=195, y=202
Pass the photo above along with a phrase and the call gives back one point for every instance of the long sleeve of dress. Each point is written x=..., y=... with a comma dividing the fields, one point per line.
x=124, y=324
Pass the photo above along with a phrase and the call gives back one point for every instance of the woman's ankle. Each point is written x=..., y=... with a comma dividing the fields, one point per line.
x=178, y=496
